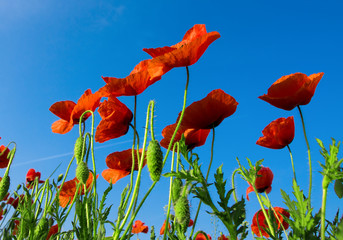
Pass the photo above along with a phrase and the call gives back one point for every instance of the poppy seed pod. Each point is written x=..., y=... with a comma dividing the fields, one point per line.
x=82, y=172
x=176, y=189
x=78, y=149
x=41, y=230
x=4, y=186
x=154, y=160
x=182, y=213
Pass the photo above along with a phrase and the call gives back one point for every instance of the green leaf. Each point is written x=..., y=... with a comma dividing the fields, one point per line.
x=339, y=188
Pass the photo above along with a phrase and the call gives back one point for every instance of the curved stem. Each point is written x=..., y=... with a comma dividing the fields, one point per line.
x=290, y=153
x=309, y=156
x=152, y=120
x=233, y=183
x=207, y=174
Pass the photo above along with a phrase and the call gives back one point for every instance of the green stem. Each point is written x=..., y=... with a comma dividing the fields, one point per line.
x=166, y=229
x=264, y=211
x=233, y=183
x=135, y=191
x=152, y=121
x=291, y=155
x=277, y=217
x=309, y=156
x=322, y=224
x=207, y=174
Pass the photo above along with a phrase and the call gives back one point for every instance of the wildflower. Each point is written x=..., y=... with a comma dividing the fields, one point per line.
x=201, y=236
x=53, y=230
x=164, y=227
x=70, y=112
x=263, y=181
x=31, y=175
x=139, y=227
x=15, y=201
x=132, y=85
x=185, y=53
x=4, y=159
x=120, y=164
x=193, y=137
x=260, y=220
x=278, y=134
x=116, y=118
x=69, y=189
x=292, y=90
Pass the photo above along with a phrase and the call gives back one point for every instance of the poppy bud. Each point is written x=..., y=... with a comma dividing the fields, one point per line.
x=176, y=189
x=41, y=230
x=154, y=160
x=182, y=213
x=78, y=149
x=82, y=172
x=60, y=177
x=4, y=186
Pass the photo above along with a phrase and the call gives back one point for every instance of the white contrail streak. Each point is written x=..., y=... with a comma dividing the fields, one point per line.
x=66, y=154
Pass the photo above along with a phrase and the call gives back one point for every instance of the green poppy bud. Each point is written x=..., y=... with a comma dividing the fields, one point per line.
x=4, y=186
x=176, y=189
x=154, y=160
x=78, y=149
x=82, y=172
x=60, y=177
x=182, y=213
x=42, y=229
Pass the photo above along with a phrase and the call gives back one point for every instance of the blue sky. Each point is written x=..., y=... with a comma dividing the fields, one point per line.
x=52, y=51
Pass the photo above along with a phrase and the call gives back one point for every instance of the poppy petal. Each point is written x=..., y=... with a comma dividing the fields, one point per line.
x=114, y=175
x=88, y=101
x=63, y=109
x=61, y=126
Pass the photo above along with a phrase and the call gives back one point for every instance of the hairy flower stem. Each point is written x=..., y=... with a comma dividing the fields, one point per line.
x=323, y=209
x=233, y=184
x=137, y=184
x=207, y=174
x=309, y=156
x=167, y=153
x=166, y=229
x=270, y=225
x=290, y=153
x=277, y=217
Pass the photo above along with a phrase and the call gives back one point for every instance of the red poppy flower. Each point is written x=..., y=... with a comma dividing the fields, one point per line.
x=120, y=164
x=292, y=90
x=134, y=84
x=193, y=137
x=278, y=134
x=1, y=212
x=16, y=227
x=53, y=230
x=201, y=236
x=210, y=111
x=70, y=112
x=4, y=159
x=15, y=201
x=185, y=53
x=263, y=182
x=31, y=176
x=139, y=227
x=222, y=237
x=69, y=188
x=116, y=118
x=164, y=227
x=261, y=220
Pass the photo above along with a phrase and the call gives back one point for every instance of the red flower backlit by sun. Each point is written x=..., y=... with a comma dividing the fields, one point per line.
x=120, y=164
x=31, y=176
x=70, y=112
x=115, y=121
x=278, y=134
x=139, y=227
x=4, y=159
x=260, y=220
x=185, y=53
x=134, y=84
x=263, y=182
x=292, y=90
